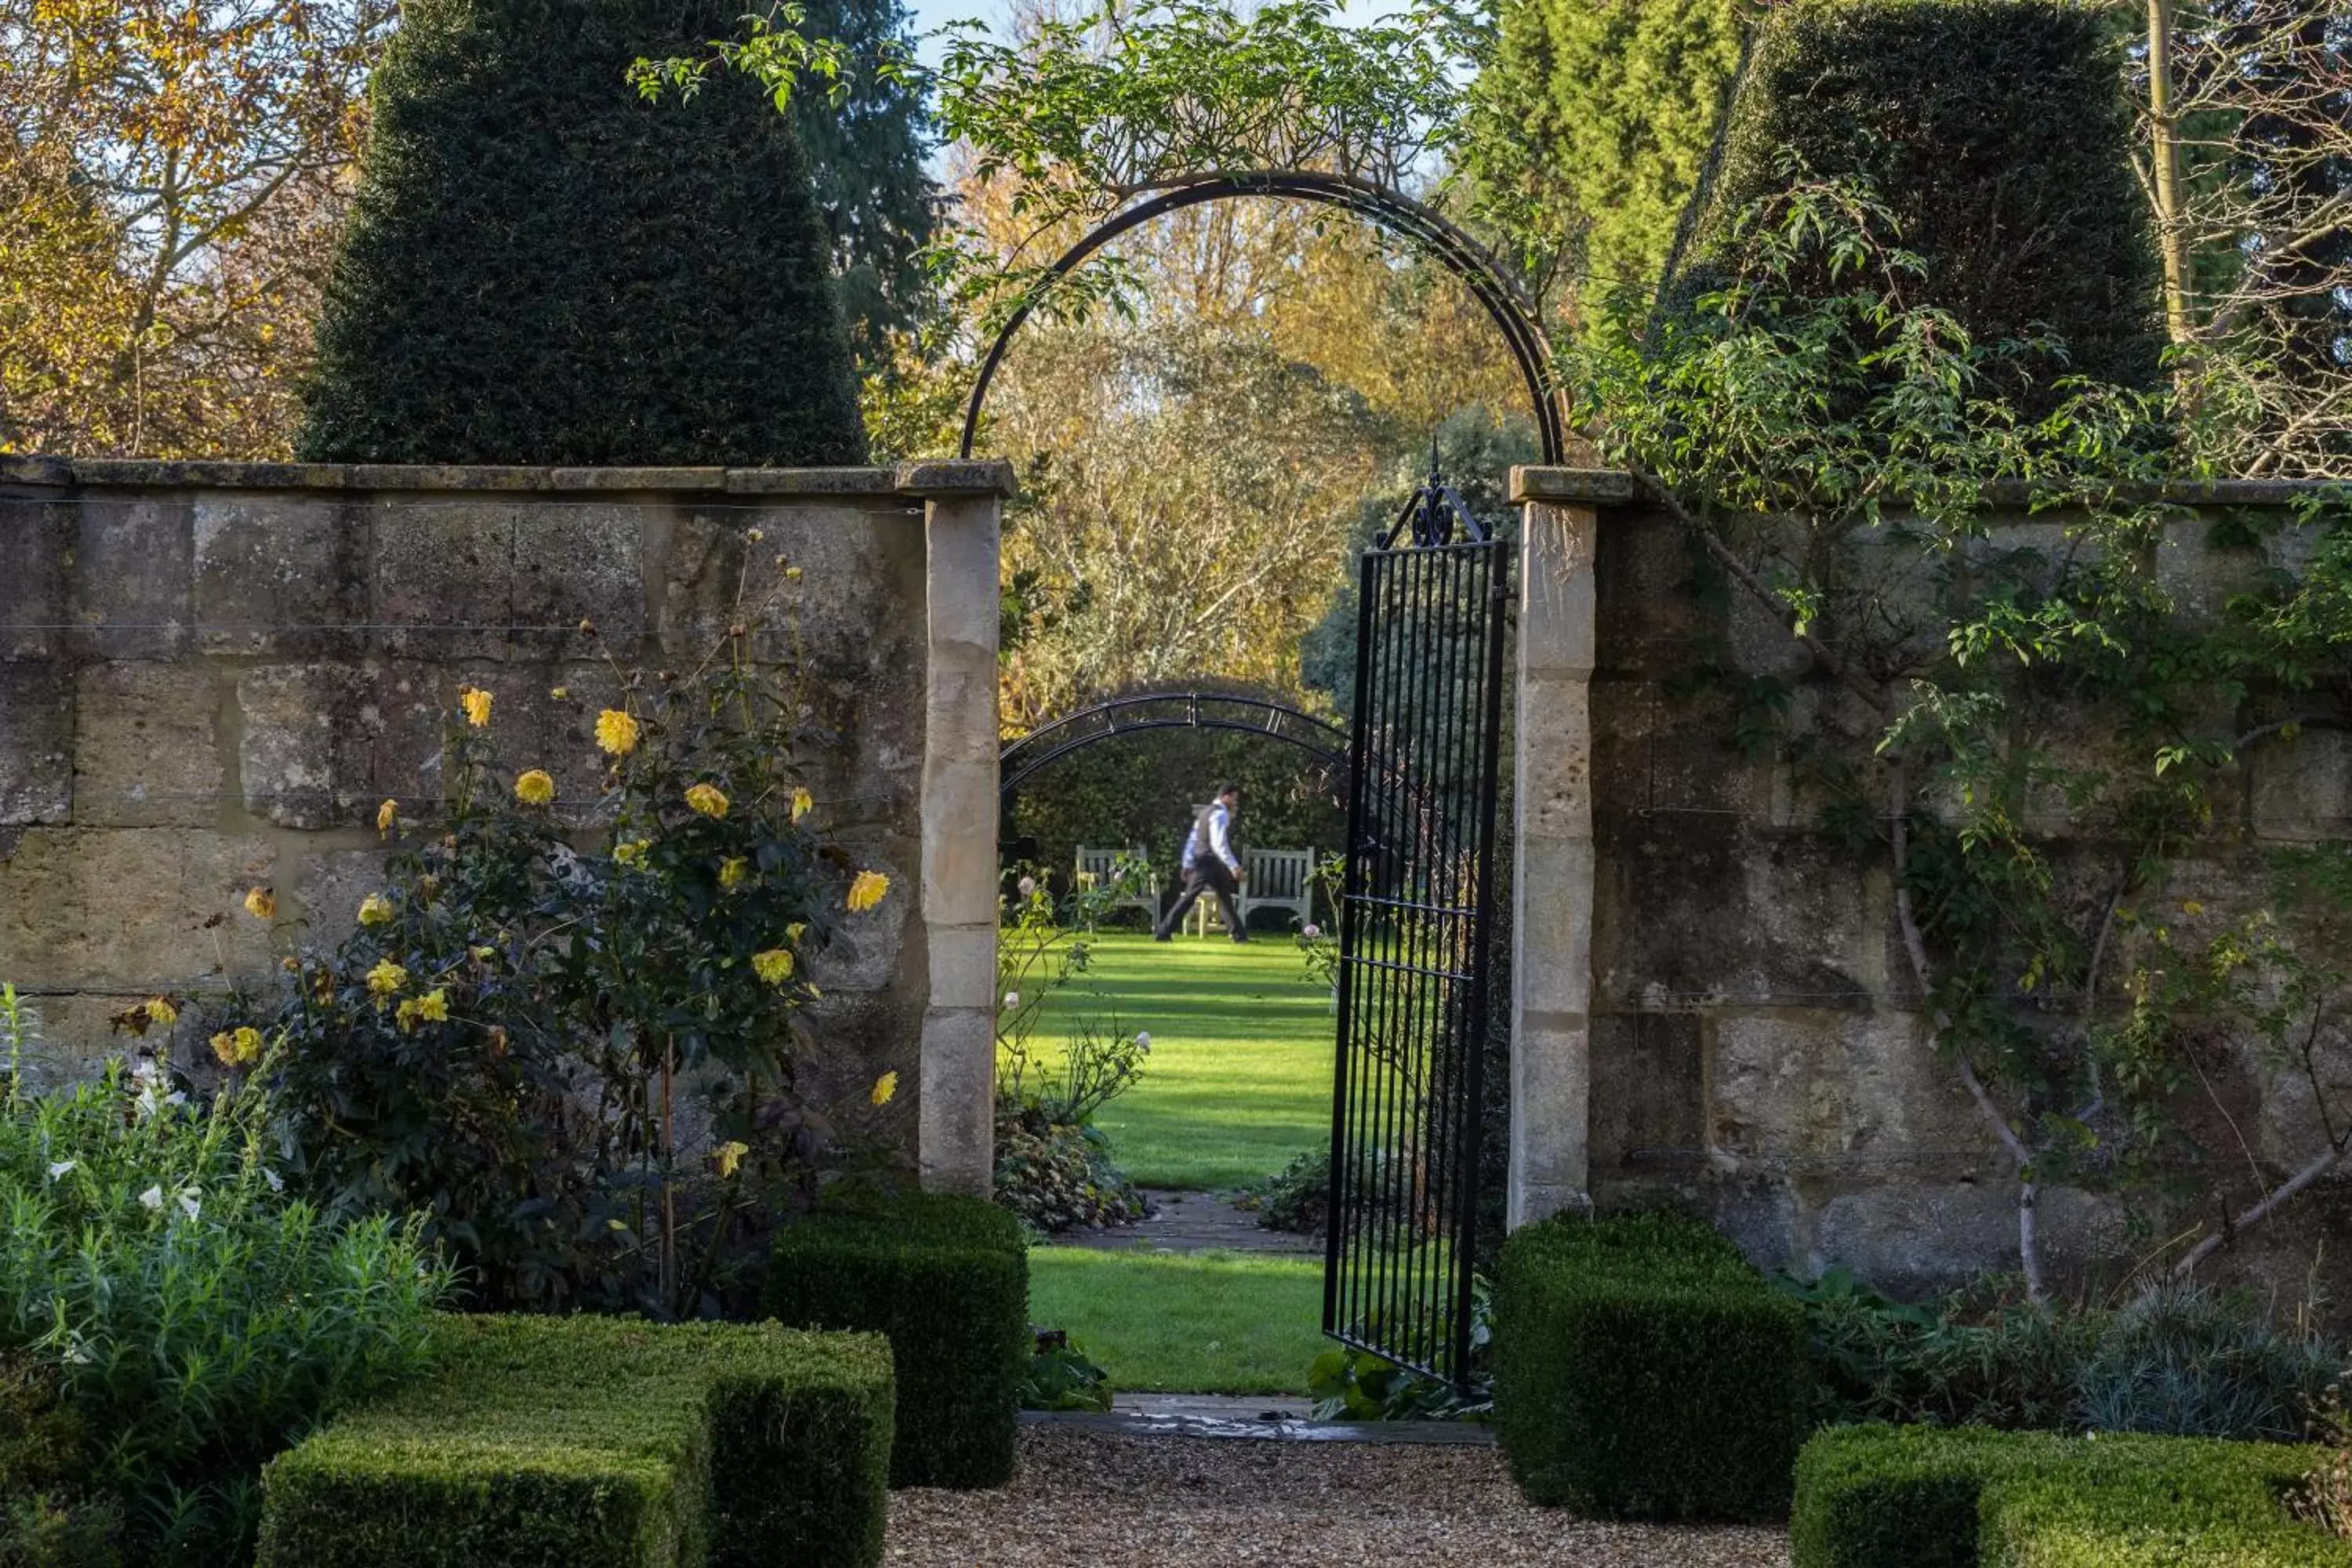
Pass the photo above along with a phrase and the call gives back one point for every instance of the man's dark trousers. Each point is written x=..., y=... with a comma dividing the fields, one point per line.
x=1210, y=876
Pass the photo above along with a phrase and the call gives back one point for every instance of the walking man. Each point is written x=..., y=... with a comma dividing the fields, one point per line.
x=1210, y=866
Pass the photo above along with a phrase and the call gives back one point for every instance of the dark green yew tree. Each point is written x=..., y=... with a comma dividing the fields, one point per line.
x=542, y=267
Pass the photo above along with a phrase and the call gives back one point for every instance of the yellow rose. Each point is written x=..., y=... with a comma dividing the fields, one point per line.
x=617, y=731
x=476, y=704
x=376, y=909
x=387, y=978
x=237, y=1048
x=632, y=854
x=161, y=1013
x=773, y=966
x=727, y=1156
x=433, y=1006
x=535, y=787
x=884, y=1087
x=261, y=904
x=733, y=872
x=866, y=890
x=386, y=816
x=803, y=803
x=706, y=799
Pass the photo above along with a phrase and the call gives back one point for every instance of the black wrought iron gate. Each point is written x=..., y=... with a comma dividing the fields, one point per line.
x=1416, y=903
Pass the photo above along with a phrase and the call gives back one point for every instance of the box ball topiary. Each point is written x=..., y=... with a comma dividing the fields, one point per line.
x=946, y=1279
x=543, y=268
x=1644, y=1370
x=1998, y=132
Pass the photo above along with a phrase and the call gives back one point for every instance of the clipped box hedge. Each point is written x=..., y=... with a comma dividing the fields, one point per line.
x=1926, y=1496
x=600, y=1443
x=1644, y=1370
x=946, y=1279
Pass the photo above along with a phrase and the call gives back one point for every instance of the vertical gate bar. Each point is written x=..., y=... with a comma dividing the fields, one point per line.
x=1442, y=871
x=1383, y=1272
x=1406, y=1134
x=1459, y=866
x=1367, y=1269
x=1482, y=968
x=1336, y=1197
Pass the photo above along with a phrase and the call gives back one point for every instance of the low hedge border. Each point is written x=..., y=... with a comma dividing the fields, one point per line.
x=1927, y=1496
x=946, y=1279
x=600, y=1443
x=1644, y=1370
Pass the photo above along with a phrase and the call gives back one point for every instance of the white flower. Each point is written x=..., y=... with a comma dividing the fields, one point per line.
x=1310, y=930
x=152, y=1197
x=1028, y=885
x=62, y=1168
x=175, y=1097
x=1012, y=1000
x=77, y=1354
x=145, y=1070
x=192, y=1201
x=1143, y=1041
x=277, y=1182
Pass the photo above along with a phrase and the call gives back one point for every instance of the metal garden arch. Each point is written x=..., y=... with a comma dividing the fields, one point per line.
x=1418, y=896
x=1439, y=239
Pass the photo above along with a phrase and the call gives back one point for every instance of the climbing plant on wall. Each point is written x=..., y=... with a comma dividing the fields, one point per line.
x=2043, y=747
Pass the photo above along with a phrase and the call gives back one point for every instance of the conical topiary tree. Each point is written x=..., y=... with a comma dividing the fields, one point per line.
x=543, y=268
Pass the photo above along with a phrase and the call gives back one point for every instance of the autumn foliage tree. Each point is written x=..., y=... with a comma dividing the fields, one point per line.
x=170, y=177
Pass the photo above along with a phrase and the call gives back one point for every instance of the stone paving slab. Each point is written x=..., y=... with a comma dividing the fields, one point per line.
x=1192, y=1222
x=1260, y=1417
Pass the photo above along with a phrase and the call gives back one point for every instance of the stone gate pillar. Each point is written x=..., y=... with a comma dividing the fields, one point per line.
x=1551, y=968
x=962, y=504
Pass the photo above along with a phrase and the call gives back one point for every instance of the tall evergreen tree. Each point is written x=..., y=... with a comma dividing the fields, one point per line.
x=543, y=268
x=866, y=155
x=1612, y=105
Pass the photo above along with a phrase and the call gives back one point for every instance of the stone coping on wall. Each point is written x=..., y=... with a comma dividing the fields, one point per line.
x=982, y=477
x=1614, y=487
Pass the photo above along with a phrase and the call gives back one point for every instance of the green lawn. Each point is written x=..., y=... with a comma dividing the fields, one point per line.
x=1203, y=1322
x=1240, y=1077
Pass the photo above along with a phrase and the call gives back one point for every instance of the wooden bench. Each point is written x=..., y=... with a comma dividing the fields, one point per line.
x=1106, y=868
x=1271, y=880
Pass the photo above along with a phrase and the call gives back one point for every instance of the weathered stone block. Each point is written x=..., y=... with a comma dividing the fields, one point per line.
x=1648, y=1092
x=1691, y=910
x=131, y=909
x=37, y=723
x=327, y=900
x=1917, y=1239
x=1554, y=763
x=1836, y=1087
x=73, y=1036
x=578, y=562
x=444, y=579
x=311, y=733
x=865, y=951
x=284, y=575
x=35, y=542
x=2303, y=787
x=957, y=1108
x=130, y=578
x=851, y=561
x=146, y=749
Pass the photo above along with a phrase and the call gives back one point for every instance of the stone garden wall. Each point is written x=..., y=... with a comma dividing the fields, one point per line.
x=210, y=674
x=1754, y=1045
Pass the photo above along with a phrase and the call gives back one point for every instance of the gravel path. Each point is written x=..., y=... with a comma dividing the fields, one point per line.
x=1092, y=1501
